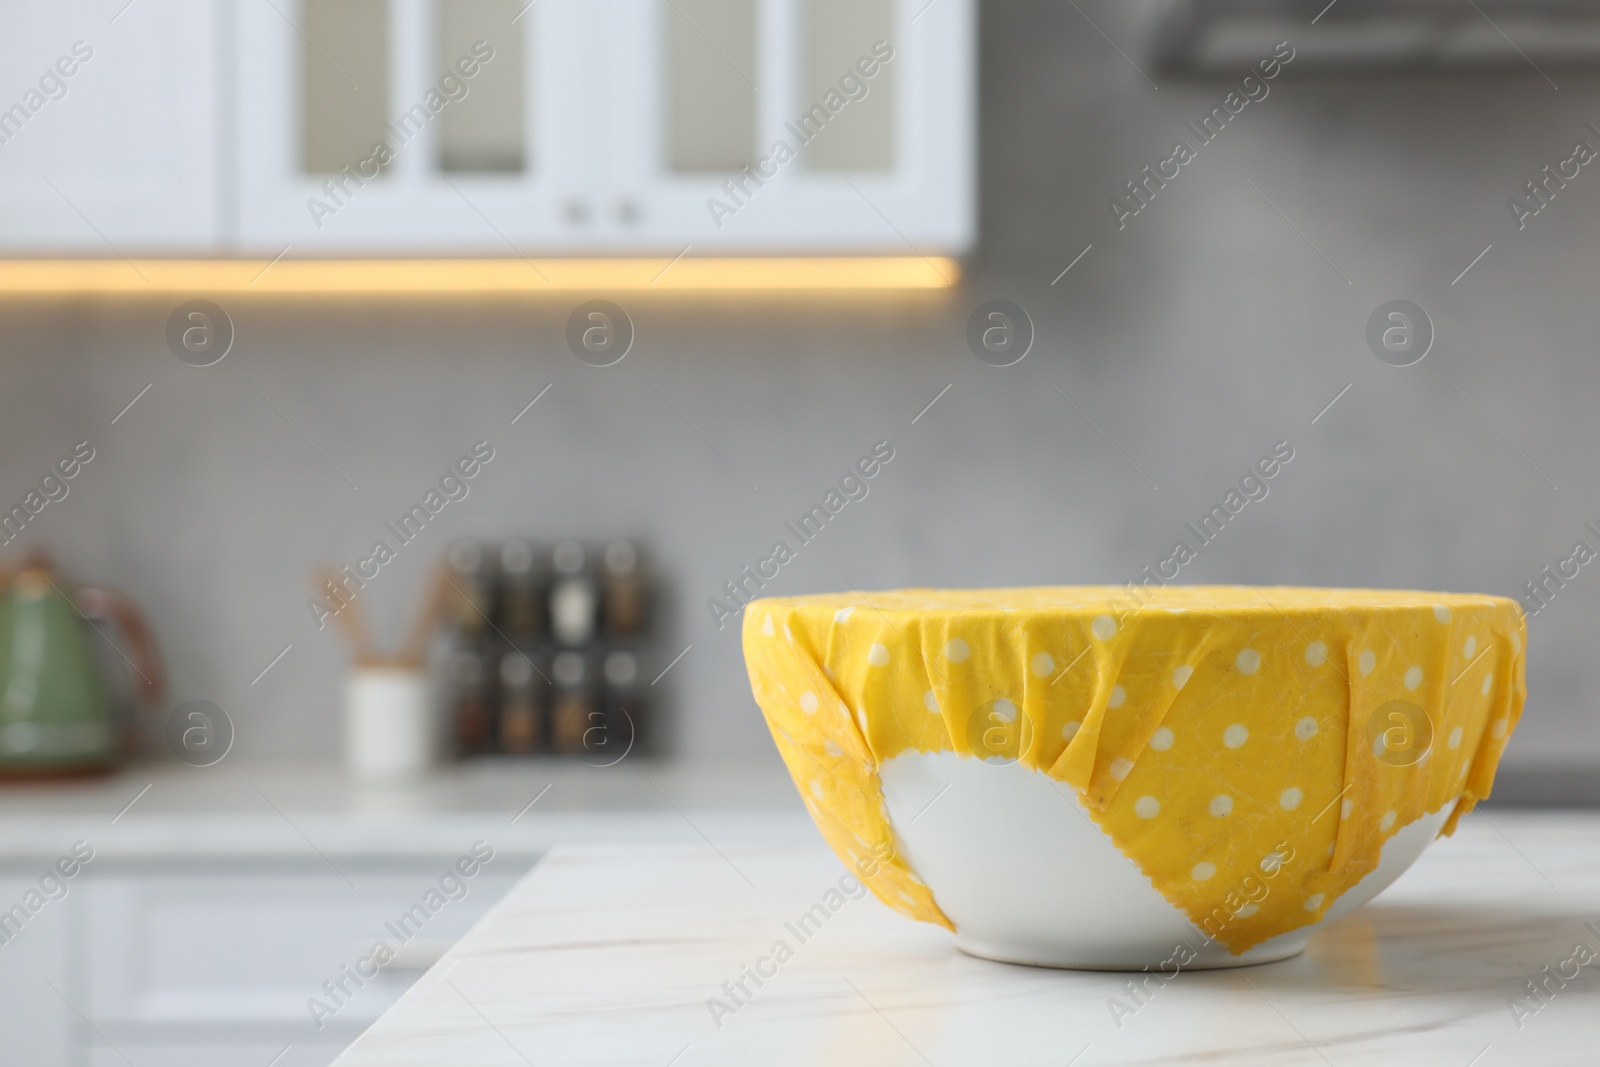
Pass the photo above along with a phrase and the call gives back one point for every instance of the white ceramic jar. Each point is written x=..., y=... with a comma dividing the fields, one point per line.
x=388, y=724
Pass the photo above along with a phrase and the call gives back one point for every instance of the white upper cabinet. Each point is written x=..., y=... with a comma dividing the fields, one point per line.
x=109, y=133
x=314, y=128
x=569, y=126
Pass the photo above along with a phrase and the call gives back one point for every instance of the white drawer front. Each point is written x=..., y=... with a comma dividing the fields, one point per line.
x=258, y=947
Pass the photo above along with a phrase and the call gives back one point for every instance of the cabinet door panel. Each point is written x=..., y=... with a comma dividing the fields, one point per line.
x=443, y=174
x=865, y=114
x=256, y=947
x=34, y=1017
x=108, y=127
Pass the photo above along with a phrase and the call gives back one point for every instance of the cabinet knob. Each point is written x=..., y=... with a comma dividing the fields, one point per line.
x=628, y=212
x=576, y=212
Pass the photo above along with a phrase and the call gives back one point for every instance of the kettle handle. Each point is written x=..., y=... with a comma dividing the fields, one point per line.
x=109, y=604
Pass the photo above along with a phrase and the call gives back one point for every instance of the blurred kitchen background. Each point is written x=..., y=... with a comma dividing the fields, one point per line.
x=1171, y=347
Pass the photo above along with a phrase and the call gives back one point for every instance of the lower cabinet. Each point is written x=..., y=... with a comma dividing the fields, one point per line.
x=34, y=1014
x=245, y=962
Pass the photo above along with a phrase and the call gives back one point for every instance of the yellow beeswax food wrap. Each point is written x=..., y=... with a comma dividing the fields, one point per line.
x=1323, y=720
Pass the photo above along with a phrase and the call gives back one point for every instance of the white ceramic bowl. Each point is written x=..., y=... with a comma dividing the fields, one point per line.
x=1015, y=862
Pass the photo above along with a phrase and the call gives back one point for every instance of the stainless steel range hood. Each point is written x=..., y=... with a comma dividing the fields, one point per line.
x=1384, y=36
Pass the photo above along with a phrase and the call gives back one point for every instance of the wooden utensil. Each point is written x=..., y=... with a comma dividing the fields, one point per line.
x=435, y=597
x=348, y=616
x=437, y=594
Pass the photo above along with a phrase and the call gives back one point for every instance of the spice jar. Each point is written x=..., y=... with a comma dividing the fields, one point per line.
x=470, y=711
x=574, y=596
x=624, y=582
x=574, y=712
x=519, y=725
x=473, y=585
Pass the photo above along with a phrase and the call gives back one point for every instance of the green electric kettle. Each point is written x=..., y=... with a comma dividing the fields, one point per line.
x=57, y=714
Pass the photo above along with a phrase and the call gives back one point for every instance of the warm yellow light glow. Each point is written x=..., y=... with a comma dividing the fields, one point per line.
x=468, y=276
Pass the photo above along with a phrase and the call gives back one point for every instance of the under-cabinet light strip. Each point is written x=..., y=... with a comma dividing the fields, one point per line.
x=470, y=276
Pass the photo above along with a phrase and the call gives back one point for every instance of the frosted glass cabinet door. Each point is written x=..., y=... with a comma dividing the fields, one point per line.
x=791, y=125
x=412, y=126
x=108, y=127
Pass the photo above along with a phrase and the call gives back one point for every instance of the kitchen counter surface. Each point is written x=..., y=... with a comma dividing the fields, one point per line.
x=170, y=812
x=612, y=955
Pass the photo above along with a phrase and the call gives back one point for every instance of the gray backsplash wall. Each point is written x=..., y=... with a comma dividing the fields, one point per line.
x=1195, y=338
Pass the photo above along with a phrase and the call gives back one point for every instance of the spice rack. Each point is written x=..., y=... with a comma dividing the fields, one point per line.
x=548, y=648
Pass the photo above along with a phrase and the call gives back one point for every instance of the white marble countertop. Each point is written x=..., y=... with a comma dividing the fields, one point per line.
x=172, y=812
x=611, y=954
